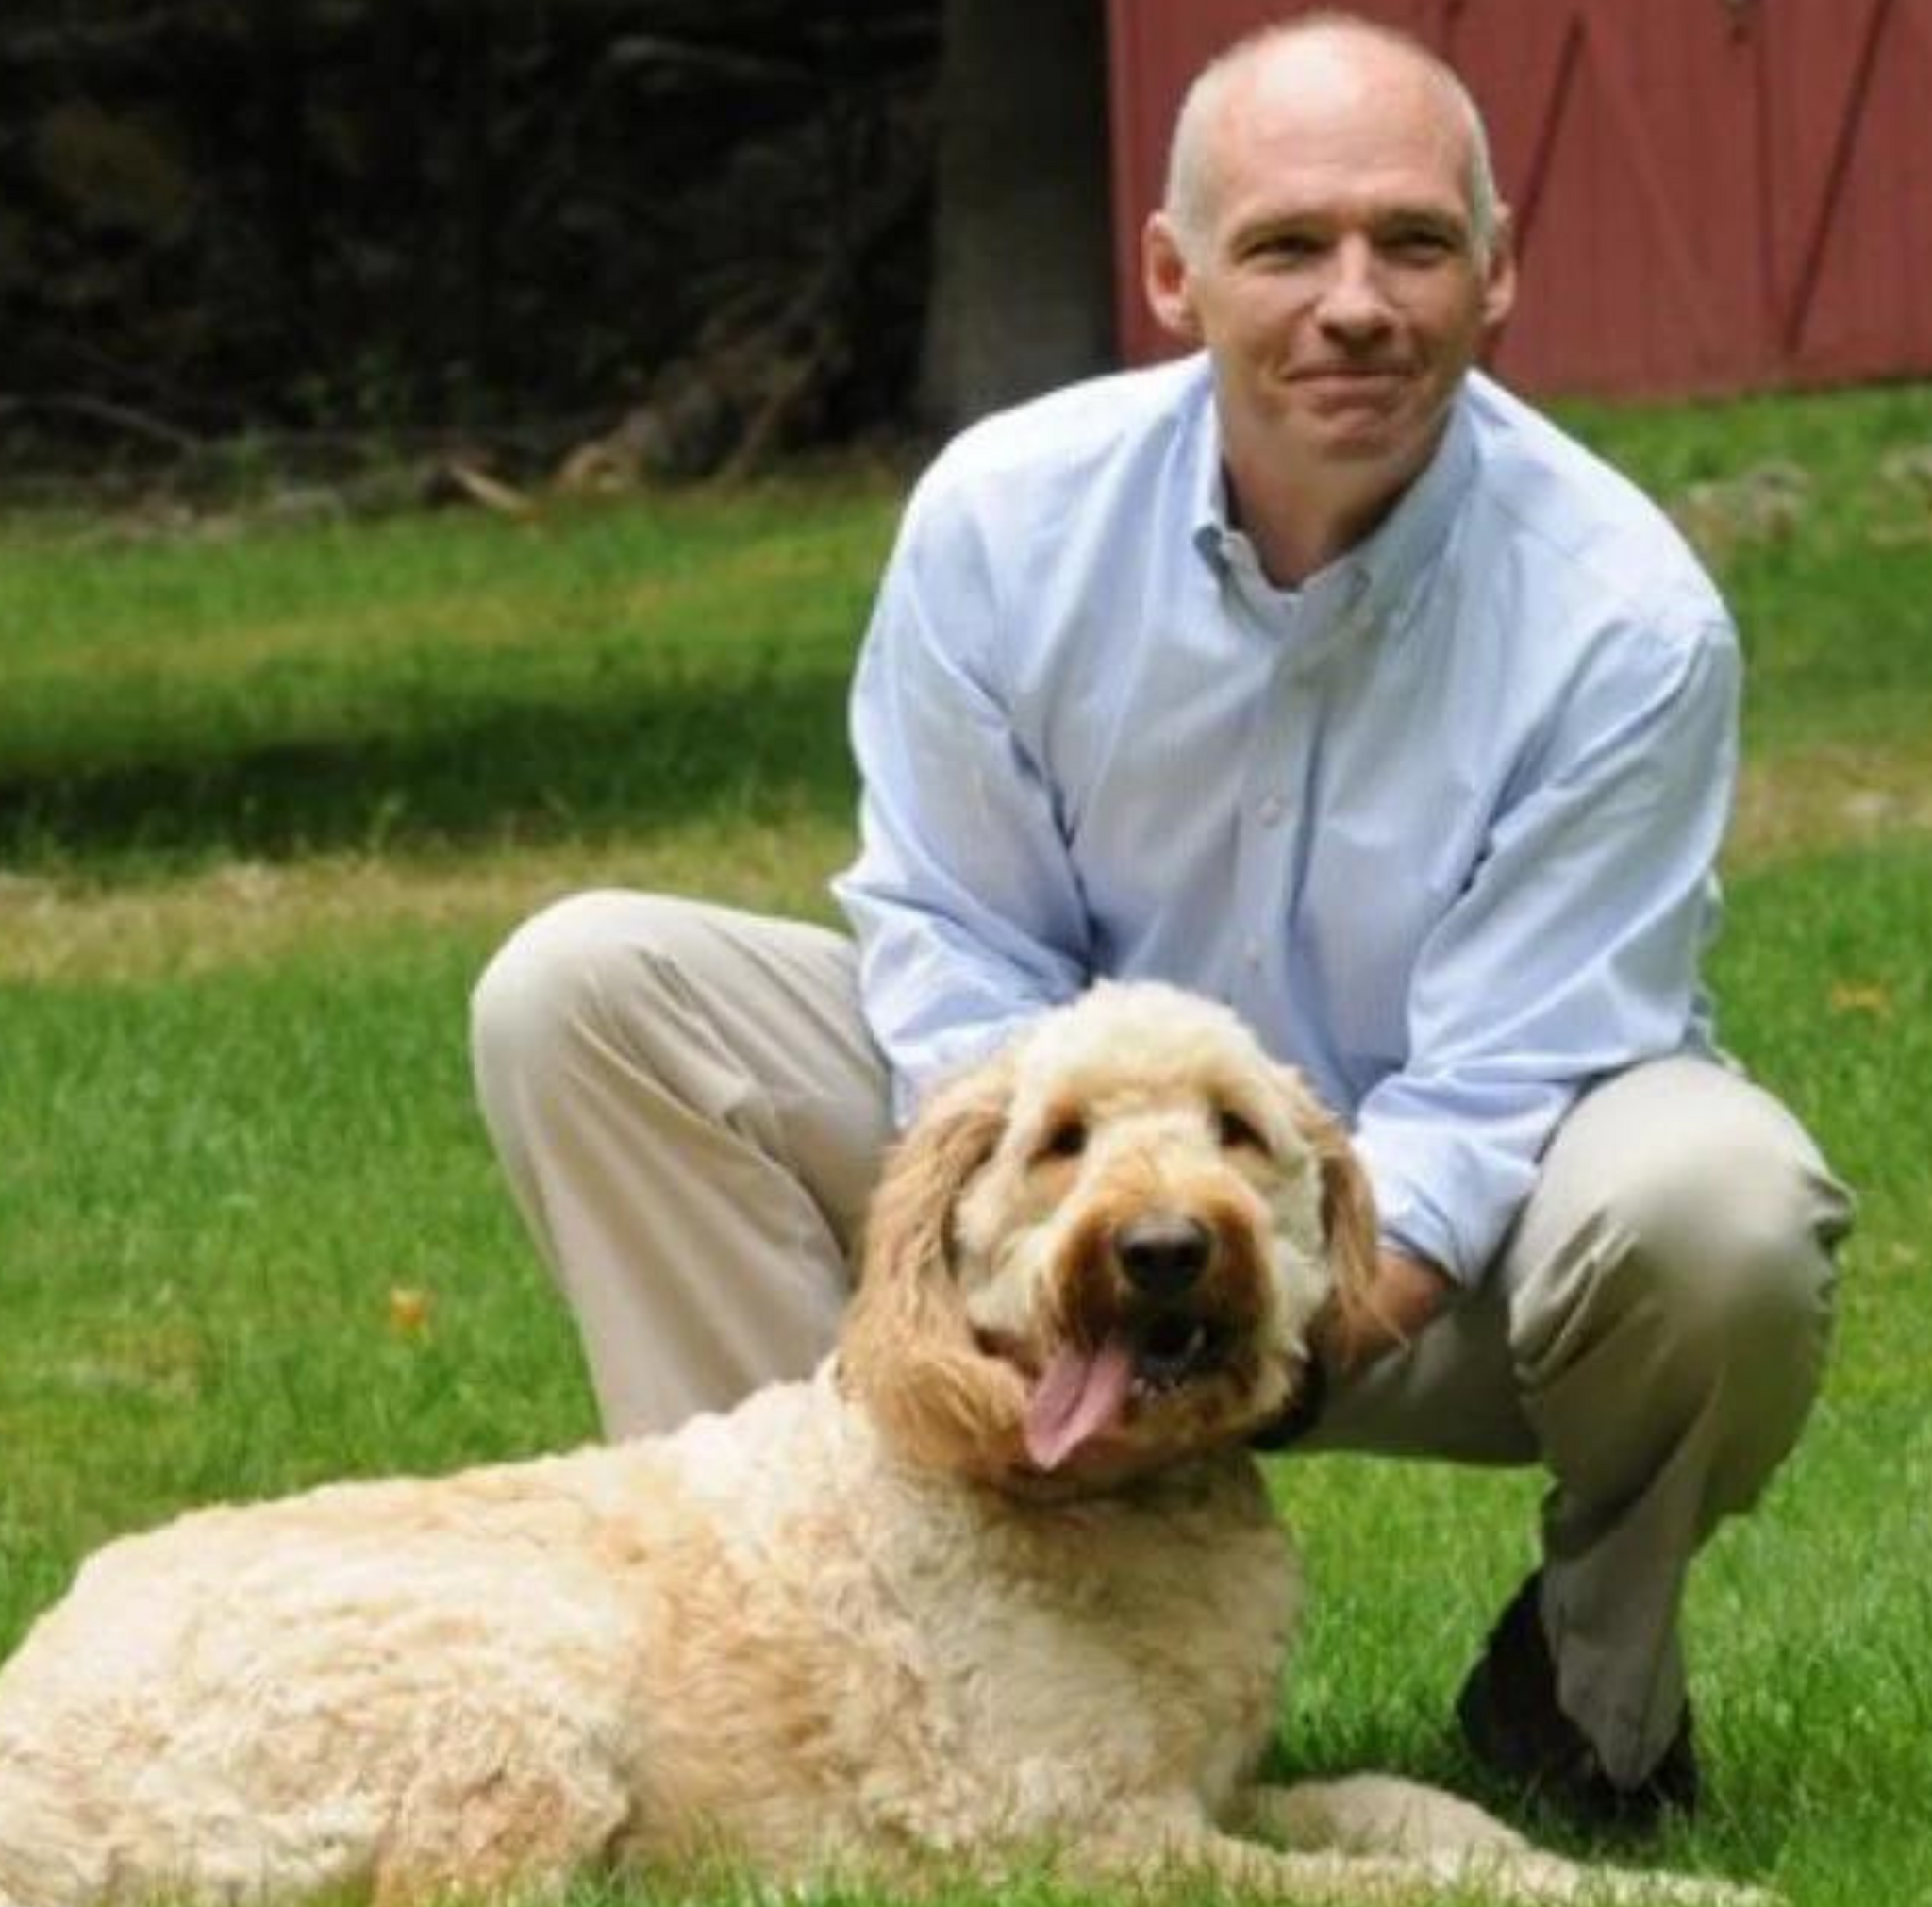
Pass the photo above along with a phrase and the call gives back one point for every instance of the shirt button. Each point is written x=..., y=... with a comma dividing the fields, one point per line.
x=1272, y=810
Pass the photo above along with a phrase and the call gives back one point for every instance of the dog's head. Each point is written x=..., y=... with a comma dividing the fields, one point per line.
x=1100, y=1252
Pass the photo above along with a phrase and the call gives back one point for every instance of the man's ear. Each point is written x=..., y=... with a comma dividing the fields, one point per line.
x=1499, y=278
x=1168, y=280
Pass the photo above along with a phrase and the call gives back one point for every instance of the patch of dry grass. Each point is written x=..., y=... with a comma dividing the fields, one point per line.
x=253, y=913
x=1829, y=795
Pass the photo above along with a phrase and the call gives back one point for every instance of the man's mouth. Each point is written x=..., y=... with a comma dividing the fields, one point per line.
x=1349, y=374
x=1349, y=391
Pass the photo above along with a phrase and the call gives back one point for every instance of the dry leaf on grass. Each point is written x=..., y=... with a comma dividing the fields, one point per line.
x=1861, y=997
x=409, y=1311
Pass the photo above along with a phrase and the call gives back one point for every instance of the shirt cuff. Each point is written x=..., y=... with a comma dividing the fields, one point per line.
x=1462, y=1235
x=946, y=1056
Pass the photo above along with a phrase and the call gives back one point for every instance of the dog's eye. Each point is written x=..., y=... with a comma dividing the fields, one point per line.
x=1235, y=1130
x=1065, y=1139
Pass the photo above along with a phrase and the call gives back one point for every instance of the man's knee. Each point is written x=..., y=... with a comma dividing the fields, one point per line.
x=577, y=969
x=1721, y=1220
x=1699, y=1181
x=1691, y=1254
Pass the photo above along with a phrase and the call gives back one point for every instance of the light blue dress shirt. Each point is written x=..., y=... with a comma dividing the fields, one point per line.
x=1439, y=823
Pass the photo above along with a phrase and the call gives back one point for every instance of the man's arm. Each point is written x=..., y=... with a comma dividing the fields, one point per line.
x=1573, y=952
x=967, y=910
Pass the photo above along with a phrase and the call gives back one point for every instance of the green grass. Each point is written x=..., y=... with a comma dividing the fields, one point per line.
x=267, y=802
x=1833, y=614
x=429, y=680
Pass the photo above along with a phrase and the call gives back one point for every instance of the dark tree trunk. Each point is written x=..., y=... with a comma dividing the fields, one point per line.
x=1021, y=295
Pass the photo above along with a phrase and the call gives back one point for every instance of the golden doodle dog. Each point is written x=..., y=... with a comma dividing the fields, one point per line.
x=1000, y=1583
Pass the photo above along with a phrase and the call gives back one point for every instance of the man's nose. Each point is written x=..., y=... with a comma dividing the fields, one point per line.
x=1354, y=304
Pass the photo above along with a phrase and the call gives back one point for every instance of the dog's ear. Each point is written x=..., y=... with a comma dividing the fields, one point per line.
x=907, y=1349
x=1349, y=1224
x=1348, y=1216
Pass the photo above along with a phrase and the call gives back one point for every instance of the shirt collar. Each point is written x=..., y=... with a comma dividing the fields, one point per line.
x=1376, y=575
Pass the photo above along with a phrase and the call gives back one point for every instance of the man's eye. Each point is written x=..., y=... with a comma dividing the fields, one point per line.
x=1235, y=1131
x=1419, y=247
x=1065, y=1139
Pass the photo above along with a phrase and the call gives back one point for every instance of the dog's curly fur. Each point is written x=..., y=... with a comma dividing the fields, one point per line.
x=1001, y=1580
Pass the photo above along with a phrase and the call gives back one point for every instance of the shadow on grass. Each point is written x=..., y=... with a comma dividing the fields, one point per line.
x=670, y=755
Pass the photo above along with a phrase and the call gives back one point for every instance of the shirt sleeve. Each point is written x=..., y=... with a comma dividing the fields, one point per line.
x=1571, y=953
x=964, y=902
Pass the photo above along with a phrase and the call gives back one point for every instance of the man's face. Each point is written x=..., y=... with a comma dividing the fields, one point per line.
x=1337, y=282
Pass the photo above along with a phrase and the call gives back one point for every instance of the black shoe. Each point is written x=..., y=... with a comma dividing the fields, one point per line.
x=1511, y=1720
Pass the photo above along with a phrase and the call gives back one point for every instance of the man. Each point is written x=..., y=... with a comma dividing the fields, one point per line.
x=1316, y=672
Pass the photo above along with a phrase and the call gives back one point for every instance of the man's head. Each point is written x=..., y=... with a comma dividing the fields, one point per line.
x=1331, y=235
x=1189, y=200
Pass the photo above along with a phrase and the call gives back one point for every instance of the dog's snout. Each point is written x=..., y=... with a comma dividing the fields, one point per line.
x=1163, y=1253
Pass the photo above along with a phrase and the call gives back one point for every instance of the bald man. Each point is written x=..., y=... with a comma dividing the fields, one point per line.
x=1317, y=673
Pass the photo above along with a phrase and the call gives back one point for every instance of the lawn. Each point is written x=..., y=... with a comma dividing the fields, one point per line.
x=268, y=796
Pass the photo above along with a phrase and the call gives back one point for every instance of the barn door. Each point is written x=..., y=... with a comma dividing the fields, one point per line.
x=1848, y=204
x=1626, y=138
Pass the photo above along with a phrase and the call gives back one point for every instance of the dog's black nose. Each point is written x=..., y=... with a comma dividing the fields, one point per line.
x=1163, y=1253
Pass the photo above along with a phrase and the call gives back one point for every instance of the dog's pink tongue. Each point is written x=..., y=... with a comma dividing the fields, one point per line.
x=1079, y=1396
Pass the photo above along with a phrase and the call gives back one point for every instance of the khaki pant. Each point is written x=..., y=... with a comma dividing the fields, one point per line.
x=691, y=1113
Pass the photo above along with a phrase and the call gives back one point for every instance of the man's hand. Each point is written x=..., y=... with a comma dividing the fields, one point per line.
x=1407, y=1294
